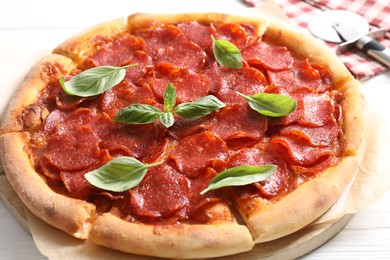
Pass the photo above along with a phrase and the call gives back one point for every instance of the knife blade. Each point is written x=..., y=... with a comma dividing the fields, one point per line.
x=364, y=42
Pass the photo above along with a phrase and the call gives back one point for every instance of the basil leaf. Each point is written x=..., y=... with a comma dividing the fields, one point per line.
x=227, y=54
x=167, y=119
x=199, y=108
x=273, y=105
x=169, y=98
x=120, y=174
x=94, y=81
x=138, y=114
x=241, y=175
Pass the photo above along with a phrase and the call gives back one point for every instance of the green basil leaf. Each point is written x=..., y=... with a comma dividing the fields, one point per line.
x=138, y=114
x=167, y=119
x=273, y=105
x=120, y=174
x=94, y=81
x=241, y=175
x=227, y=54
x=169, y=98
x=199, y=108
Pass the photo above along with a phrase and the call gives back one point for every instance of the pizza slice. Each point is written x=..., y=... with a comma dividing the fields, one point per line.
x=320, y=167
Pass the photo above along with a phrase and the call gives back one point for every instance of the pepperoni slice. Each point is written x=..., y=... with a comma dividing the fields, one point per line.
x=73, y=149
x=53, y=119
x=189, y=85
x=239, y=125
x=122, y=95
x=54, y=93
x=80, y=117
x=271, y=57
x=299, y=152
x=198, y=184
x=302, y=74
x=247, y=81
x=318, y=110
x=84, y=117
x=161, y=193
x=144, y=64
x=199, y=203
x=305, y=173
x=124, y=50
x=196, y=152
x=48, y=169
x=198, y=33
x=162, y=151
x=116, y=52
x=235, y=34
x=134, y=140
x=215, y=73
x=169, y=45
x=274, y=185
x=62, y=121
x=316, y=136
x=325, y=77
x=76, y=184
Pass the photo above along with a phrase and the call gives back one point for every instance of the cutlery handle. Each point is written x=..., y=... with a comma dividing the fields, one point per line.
x=374, y=49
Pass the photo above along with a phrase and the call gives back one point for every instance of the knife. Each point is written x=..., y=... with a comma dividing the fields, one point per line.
x=364, y=42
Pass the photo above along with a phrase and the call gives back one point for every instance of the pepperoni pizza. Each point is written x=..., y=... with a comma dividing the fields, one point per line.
x=165, y=135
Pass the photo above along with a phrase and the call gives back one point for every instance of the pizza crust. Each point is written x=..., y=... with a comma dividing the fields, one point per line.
x=70, y=215
x=141, y=22
x=77, y=46
x=354, y=117
x=171, y=241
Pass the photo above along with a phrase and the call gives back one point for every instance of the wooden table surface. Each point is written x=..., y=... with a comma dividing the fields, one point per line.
x=42, y=25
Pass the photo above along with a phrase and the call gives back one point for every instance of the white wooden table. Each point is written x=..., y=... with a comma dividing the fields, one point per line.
x=42, y=25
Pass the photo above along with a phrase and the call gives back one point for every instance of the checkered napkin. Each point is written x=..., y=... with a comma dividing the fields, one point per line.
x=377, y=13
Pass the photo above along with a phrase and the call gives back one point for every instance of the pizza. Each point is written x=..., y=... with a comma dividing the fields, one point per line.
x=184, y=135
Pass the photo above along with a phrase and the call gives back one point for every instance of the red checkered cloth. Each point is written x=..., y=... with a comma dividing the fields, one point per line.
x=377, y=13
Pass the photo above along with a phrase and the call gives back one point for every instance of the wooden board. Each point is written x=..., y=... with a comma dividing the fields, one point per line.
x=11, y=200
x=289, y=247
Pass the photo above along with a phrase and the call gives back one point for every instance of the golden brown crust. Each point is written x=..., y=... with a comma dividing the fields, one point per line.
x=70, y=215
x=354, y=116
x=172, y=241
x=271, y=220
x=81, y=44
x=142, y=22
x=50, y=68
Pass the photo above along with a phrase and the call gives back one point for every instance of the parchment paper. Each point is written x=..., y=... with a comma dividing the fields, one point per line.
x=371, y=181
